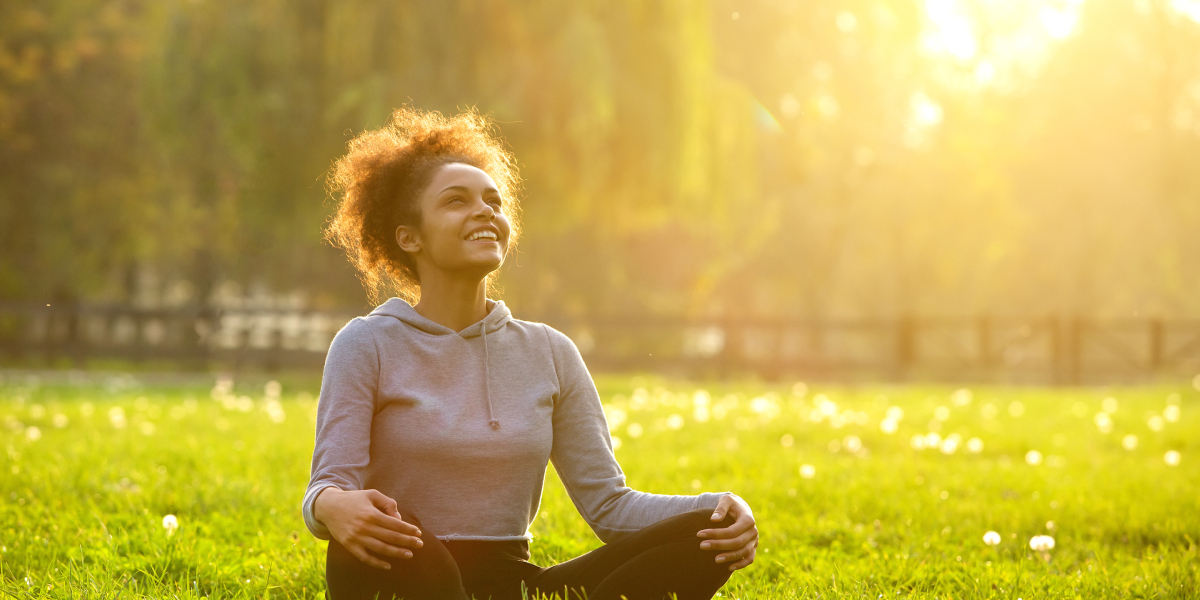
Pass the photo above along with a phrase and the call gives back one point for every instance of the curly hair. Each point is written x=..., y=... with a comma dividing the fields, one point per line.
x=378, y=182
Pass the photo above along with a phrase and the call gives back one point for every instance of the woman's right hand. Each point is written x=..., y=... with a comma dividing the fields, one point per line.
x=363, y=520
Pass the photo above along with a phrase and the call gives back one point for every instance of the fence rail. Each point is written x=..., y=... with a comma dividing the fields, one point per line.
x=1045, y=349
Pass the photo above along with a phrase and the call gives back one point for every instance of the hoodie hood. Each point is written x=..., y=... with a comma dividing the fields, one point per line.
x=498, y=315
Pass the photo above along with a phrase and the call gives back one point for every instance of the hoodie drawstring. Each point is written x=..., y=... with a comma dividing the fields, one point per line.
x=487, y=376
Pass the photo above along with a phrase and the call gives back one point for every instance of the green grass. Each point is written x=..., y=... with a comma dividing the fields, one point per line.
x=82, y=505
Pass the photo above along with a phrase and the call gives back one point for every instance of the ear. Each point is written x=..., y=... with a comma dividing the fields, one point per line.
x=408, y=238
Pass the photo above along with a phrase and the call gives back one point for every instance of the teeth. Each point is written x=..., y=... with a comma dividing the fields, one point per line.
x=482, y=234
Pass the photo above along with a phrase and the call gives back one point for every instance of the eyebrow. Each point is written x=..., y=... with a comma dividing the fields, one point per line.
x=463, y=188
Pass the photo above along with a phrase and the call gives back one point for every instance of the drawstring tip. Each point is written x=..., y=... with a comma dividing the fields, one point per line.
x=495, y=423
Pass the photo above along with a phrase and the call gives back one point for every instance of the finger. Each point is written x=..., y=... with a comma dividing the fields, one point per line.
x=362, y=555
x=736, y=554
x=737, y=528
x=736, y=543
x=380, y=547
x=722, y=508
x=743, y=563
x=400, y=540
x=394, y=524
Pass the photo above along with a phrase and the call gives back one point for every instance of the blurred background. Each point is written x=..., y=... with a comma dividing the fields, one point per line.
x=886, y=189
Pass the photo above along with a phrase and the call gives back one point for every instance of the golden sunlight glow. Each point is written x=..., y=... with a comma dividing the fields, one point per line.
x=1021, y=32
x=1187, y=8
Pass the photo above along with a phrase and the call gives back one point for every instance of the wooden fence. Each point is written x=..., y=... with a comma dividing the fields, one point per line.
x=1045, y=349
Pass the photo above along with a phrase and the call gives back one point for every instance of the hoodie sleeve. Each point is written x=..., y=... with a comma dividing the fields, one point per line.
x=344, y=412
x=583, y=457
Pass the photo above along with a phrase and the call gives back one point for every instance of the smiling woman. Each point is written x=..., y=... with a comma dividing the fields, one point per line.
x=451, y=409
x=381, y=180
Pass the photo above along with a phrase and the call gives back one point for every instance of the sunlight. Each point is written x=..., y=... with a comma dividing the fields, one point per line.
x=1019, y=33
x=1187, y=8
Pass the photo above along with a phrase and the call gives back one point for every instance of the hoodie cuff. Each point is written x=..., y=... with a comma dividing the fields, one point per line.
x=318, y=529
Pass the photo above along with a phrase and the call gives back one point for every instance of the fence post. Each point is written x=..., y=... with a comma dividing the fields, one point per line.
x=983, y=332
x=1156, y=344
x=906, y=350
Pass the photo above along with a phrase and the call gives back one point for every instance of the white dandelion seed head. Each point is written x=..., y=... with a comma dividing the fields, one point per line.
x=918, y=442
x=808, y=471
x=273, y=389
x=1109, y=405
x=33, y=434
x=60, y=420
x=961, y=397
x=170, y=523
x=616, y=443
x=1130, y=442
x=1103, y=422
x=852, y=444
x=1016, y=408
x=1171, y=413
x=933, y=440
x=675, y=422
x=787, y=440
x=1033, y=457
x=941, y=413
x=1172, y=458
x=974, y=445
x=1041, y=543
x=991, y=538
x=888, y=426
x=634, y=430
x=895, y=413
x=1155, y=423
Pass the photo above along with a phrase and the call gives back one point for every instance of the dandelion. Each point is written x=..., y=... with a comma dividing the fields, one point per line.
x=1103, y=422
x=701, y=414
x=675, y=422
x=1050, y=525
x=33, y=433
x=974, y=445
x=888, y=426
x=950, y=445
x=1155, y=423
x=273, y=389
x=1016, y=408
x=616, y=443
x=1041, y=543
x=1109, y=405
x=60, y=420
x=147, y=428
x=634, y=430
x=1172, y=457
x=941, y=413
x=1033, y=457
x=895, y=413
x=961, y=397
x=808, y=471
x=933, y=440
x=989, y=411
x=116, y=416
x=1171, y=413
x=170, y=523
x=786, y=441
x=1130, y=442
x=991, y=538
x=917, y=442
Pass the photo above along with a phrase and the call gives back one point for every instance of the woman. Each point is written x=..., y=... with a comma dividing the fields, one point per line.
x=437, y=419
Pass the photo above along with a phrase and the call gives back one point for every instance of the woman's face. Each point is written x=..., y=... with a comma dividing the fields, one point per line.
x=463, y=225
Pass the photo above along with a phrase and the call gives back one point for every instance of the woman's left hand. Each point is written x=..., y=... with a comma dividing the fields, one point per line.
x=739, y=541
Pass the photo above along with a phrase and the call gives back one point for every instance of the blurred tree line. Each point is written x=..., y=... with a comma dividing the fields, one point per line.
x=806, y=157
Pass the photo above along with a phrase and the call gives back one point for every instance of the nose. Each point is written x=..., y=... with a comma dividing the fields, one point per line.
x=486, y=211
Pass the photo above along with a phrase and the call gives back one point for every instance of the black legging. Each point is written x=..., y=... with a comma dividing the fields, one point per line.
x=649, y=564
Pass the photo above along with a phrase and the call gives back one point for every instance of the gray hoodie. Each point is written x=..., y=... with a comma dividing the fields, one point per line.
x=458, y=427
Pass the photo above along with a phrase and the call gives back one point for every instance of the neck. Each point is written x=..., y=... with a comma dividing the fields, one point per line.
x=454, y=302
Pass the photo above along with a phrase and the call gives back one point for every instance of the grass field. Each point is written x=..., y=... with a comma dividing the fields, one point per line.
x=848, y=505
